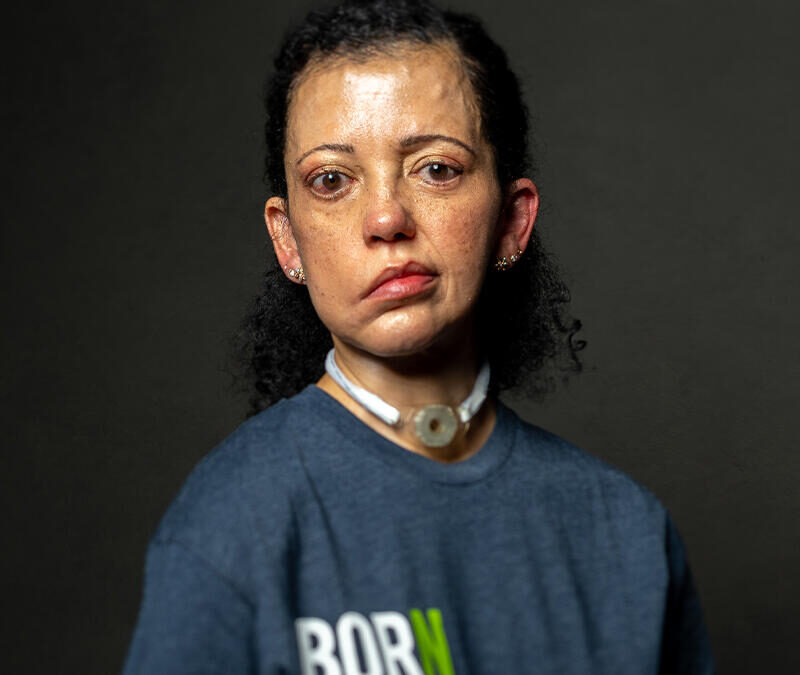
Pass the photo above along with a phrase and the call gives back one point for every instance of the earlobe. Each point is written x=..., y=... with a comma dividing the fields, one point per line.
x=283, y=241
x=516, y=222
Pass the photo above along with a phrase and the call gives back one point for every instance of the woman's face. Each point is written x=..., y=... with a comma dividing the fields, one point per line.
x=393, y=199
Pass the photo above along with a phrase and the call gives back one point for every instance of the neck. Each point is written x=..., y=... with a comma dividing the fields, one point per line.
x=409, y=383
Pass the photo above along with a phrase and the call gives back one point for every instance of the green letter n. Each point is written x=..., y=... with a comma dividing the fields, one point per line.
x=431, y=642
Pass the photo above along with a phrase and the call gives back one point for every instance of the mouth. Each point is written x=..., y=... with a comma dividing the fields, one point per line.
x=401, y=281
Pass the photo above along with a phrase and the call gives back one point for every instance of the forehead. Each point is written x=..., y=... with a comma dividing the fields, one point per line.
x=408, y=90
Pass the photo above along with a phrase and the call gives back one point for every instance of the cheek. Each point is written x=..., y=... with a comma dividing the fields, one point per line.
x=329, y=258
x=466, y=235
x=317, y=228
x=321, y=238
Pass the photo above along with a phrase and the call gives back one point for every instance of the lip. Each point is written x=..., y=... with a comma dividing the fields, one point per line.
x=401, y=281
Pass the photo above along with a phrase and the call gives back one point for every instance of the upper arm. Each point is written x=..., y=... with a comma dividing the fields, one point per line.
x=192, y=618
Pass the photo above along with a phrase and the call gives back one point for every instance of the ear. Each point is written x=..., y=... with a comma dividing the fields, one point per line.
x=520, y=207
x=280, y=232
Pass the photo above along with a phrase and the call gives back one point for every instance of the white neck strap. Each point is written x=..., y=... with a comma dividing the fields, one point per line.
x=391, y=415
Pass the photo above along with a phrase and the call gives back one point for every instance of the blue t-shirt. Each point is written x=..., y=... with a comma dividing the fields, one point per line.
x=308, y=543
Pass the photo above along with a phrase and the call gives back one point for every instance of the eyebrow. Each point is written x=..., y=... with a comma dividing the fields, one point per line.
x=405, y=143
x=427, y=138
x=335, y=147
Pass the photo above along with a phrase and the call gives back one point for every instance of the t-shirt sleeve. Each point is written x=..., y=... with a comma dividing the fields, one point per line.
x=192, y=619
x=685, y=649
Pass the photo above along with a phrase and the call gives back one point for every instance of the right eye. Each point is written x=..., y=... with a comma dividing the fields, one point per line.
x=329, y=183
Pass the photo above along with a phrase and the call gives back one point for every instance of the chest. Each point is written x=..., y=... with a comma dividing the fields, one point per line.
x=470, y=578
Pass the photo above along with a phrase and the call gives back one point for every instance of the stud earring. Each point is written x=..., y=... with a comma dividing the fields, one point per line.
x=296, y=273
x=502, y=264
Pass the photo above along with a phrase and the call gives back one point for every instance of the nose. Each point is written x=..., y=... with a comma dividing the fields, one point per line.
x=387, y=218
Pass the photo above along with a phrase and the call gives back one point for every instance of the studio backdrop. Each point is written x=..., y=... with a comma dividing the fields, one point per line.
x=666, y=146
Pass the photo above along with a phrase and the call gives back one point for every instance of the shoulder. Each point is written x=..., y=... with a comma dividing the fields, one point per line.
x=578, y=476
x=243, y=485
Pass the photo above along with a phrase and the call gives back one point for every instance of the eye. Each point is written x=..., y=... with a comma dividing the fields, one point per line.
x=439, y=172
x=330, y=183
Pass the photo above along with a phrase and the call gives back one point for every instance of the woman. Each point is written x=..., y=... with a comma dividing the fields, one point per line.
x=395, y=517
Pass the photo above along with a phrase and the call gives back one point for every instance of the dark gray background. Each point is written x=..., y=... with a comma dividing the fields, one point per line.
x=133, y=239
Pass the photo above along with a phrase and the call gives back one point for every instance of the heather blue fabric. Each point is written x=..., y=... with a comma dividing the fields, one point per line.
x=540, y=558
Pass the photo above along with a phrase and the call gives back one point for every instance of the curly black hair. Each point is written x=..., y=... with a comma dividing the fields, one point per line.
x=523, y=320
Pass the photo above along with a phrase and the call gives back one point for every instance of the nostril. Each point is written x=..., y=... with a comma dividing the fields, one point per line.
x=400, y=235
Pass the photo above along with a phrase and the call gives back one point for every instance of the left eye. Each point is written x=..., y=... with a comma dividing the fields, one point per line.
x=439, y=173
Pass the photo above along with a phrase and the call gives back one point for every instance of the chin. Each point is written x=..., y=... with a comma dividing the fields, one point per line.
x=407, y=341
x=410, y=332
x=394, y=346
